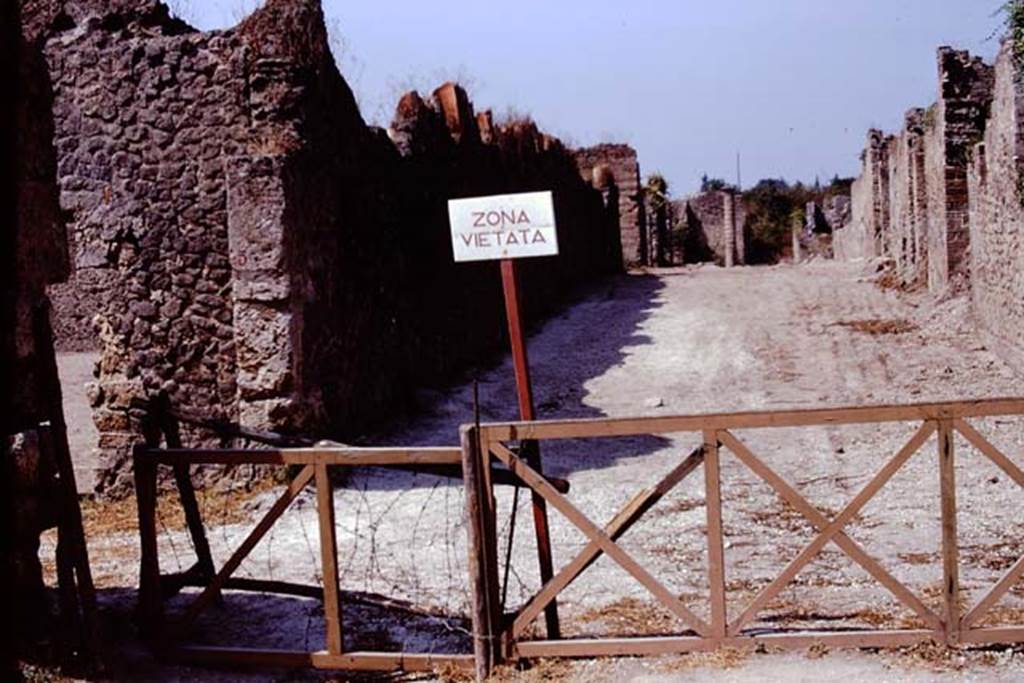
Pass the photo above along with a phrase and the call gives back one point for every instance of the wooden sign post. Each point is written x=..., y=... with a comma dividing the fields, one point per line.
x=508, y=227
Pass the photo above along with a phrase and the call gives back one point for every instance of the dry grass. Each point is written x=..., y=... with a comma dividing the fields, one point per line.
x=919, y=558
x=677, y=506
x=996, y=556
x=879, y=326
x=533, y=672
x=937, y=657
x=632, y=617
x=723, y=658
x=218, y=506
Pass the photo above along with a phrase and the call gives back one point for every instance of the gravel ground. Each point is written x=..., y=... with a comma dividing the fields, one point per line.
x=700, y=339
x=75, y=371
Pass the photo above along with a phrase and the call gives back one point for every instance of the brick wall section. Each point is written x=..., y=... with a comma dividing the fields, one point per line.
x=704, y=218
x=264, y=255
x=997, y=216
x=600, y=165
x=960, y=113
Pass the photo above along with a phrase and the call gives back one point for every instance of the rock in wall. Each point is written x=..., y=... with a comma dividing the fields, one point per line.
x=606, y=163
x=997, y=216
x=264, y=255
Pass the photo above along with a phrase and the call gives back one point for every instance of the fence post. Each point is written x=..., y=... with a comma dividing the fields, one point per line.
x=150, y=613
x=716, y=557
x=950, y=559
x=484, y=591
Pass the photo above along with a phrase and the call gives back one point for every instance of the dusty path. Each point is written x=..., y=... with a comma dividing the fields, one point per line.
x=691, y=340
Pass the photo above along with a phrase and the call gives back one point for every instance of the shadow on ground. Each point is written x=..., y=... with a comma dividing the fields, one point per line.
x=585, y=341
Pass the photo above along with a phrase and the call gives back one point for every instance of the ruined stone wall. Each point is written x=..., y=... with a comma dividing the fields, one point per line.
x=705, y=236
x=34, y=253
x=997, y=216
x=264, y=256
x=869, y=203
x=906, y=238
x=604, y=163
x=148, y=113
x=965, y=87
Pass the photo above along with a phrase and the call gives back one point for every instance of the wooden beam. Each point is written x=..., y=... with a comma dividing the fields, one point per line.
x=990, y=451
x=798, y=640
x=993, y=634
x=584, y=524
x=353, y=457
x=349, y=661
x=150, y=612
x=716, y=552
x=632, y=426
x=835, y=526
x=848, y=545
x=987, y=601
x=484, y=594
x=210, y=593
x=950, y=551
x=618, y=526
x=329, y=559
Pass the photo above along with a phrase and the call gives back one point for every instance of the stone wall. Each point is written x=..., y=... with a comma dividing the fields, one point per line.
x=906, y=240
x=610, y=165
x=34, y=253
x=964, y=97
x=869, y=203
x=713, y=225
x=246, y=244
x=910, y=202
x=997, y=216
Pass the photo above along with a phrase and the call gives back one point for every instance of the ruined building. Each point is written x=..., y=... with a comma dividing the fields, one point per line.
x=615, y=168
x=996, y=215
x=910, y=202
x=245, y=244
x=943, y=198
x=713, y=227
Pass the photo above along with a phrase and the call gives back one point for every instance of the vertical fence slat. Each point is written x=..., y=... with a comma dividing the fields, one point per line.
x=329, y=559
x=483, y=594
x=716, y=554
x=950, y=553
x=150, y=600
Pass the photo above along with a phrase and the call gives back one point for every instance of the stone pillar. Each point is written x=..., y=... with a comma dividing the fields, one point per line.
x=795, y=230
x=265, y=332
x=729, y=228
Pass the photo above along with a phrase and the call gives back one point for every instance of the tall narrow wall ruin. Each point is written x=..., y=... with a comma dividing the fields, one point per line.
x=964, y=96
x=607, y=165
x=997, y=216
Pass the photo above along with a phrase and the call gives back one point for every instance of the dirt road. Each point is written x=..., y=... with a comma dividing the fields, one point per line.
x=692, y=340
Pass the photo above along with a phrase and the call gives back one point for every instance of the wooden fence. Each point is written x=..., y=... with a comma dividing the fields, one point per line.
x=499, y=636
x=314, y=467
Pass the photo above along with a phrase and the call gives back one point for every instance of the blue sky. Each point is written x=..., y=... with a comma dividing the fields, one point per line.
x=792, y=85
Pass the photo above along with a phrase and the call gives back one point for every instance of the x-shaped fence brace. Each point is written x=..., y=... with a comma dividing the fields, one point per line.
x=603, y=540
x=314, y=467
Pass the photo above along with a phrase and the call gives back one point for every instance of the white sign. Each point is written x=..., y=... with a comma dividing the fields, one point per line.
x=503, y=226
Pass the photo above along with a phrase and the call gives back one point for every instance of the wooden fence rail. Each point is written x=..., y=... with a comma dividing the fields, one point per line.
x=500, y=637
